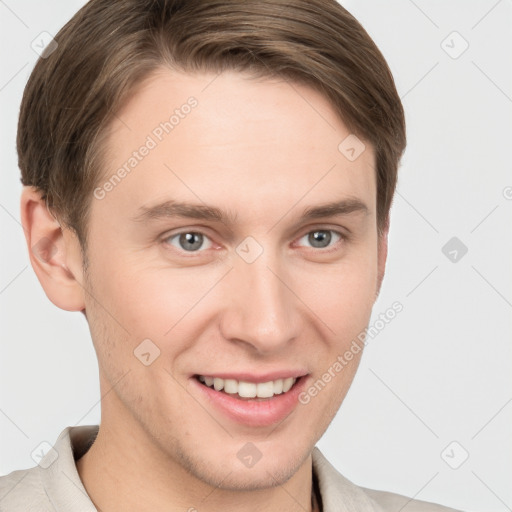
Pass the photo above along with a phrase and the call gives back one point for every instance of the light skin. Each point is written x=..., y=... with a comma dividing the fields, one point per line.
x=262, y=150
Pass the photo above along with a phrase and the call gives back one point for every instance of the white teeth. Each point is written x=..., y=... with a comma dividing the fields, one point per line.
x=246, y=389
x=265, y=389
x=287, y=384
x=278, y=387
x=230, y=386
x=249, y=389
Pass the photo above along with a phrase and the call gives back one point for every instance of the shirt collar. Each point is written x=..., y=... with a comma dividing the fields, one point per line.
x=338, y=493
x=60, y=479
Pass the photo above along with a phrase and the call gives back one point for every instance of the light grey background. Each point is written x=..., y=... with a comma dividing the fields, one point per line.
x=440, y=371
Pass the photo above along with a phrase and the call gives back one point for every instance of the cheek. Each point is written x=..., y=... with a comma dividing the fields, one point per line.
x=342, y=295
x=147, y=300
x=159, y=299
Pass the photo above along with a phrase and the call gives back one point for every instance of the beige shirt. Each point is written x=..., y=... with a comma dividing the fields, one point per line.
x=55, y=485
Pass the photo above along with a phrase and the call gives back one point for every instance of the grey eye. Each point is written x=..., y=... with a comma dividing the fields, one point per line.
x=321, y=238
x=188, y=241
x=191, y=241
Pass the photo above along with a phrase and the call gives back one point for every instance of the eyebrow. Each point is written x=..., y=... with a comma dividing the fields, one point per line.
x=172, y=208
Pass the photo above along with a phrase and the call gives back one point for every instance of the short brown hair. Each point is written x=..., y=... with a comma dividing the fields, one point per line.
x=109, y=47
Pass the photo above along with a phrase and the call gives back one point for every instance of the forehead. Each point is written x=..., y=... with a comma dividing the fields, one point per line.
x=212, y=138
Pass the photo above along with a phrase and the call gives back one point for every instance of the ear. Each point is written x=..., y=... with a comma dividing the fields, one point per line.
x=382, y=254
x=54, y=252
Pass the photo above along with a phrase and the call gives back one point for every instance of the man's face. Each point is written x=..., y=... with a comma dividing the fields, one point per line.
x=259, y=292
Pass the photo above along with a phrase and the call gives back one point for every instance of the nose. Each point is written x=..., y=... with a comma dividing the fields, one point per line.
x=260, y=308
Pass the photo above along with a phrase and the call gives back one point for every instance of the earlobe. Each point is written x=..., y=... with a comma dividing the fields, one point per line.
x=54, y=252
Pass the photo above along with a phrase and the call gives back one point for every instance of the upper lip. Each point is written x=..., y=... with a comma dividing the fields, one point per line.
x=256, y=378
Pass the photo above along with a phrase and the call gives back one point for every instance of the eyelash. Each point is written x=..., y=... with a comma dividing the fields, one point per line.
x=326, y=250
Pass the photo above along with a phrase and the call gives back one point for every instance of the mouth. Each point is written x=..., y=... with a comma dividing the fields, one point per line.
x=251, y=391
x=254, y=404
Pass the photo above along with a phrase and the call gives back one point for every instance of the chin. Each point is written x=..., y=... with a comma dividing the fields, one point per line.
x=263, y=475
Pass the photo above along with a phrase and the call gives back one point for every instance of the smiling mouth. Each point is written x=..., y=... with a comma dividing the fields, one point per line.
x=244, y=390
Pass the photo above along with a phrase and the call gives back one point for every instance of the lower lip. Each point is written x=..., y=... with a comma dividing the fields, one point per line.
x=251, y=412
